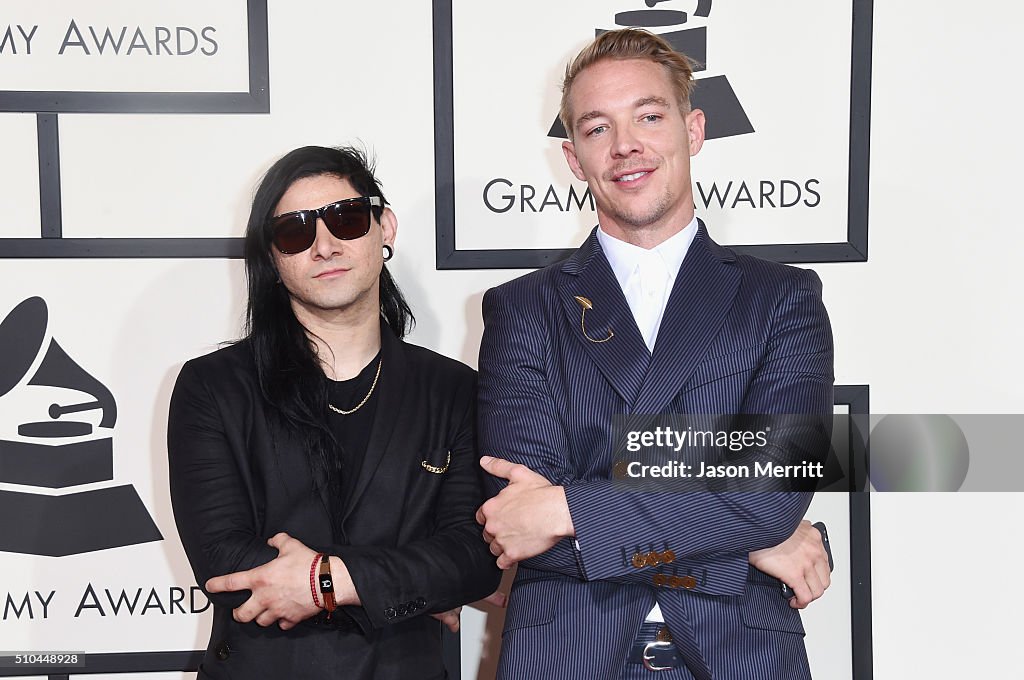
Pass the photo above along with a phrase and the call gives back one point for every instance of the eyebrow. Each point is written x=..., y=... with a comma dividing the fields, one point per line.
x=643, y=101
x=589, y=115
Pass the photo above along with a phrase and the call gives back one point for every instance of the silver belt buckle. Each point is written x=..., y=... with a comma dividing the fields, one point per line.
x=656, y=644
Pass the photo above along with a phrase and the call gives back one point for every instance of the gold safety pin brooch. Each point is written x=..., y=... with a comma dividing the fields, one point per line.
x=586, y=304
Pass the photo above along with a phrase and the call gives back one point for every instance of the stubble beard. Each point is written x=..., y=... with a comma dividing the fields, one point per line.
x=640, y=220
x=357, y=302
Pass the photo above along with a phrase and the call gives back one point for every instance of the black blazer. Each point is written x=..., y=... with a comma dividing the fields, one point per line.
x=411, y=542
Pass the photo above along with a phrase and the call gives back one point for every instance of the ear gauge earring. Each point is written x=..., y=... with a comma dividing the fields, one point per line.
x=389, y=252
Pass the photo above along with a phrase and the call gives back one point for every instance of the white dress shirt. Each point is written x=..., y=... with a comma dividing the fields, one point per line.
x=646, y=278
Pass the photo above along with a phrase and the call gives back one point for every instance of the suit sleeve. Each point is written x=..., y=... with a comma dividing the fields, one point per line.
x=518, y=415
x=212, y=506
x=448, y=569
x=794, y=377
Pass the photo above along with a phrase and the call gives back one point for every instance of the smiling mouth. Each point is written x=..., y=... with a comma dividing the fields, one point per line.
x=632, y=176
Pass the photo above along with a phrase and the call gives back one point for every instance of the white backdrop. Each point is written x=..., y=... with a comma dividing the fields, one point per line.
x=508, y=79
x=930, y=321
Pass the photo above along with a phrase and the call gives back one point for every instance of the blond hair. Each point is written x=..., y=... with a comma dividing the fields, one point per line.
x=629, y=43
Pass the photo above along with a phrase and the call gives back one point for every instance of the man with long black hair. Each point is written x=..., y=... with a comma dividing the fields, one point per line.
x=323, y=472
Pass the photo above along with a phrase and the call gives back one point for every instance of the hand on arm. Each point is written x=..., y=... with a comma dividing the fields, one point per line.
x=518, y=418
x=281, y=589
x=800, y=562
x=527, y=518
x=797, y=378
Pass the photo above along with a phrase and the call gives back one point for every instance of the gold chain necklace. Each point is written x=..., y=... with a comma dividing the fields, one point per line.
x=365, y=399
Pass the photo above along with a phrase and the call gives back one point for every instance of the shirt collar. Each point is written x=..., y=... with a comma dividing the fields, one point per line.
x=624, y=257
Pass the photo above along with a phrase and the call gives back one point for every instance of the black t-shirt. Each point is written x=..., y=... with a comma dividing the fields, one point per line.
x=351, y=431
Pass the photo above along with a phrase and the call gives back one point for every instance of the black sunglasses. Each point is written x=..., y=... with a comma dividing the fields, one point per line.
x=349, y=219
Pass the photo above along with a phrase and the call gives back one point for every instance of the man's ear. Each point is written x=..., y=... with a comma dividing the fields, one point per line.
x=569, y=149
x=389, y=224
x=695, y=130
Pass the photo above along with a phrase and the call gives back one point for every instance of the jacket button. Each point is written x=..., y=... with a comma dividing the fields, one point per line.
x=653, y=558
x=420, y=603
x=688, y=582
x=402, y=609
x=660, y=580
x=639, y=560
x=668, y=557
x=390, y=613
x=222, y=651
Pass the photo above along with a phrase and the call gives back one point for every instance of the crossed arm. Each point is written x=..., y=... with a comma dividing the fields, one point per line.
x=267, y=581
x=541, y=515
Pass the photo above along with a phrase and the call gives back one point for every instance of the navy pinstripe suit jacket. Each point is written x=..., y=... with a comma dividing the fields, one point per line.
x=739, y=335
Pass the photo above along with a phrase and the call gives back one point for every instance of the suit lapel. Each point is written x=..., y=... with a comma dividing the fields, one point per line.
x=697, y=307
x=622, y=359
x=387, y=417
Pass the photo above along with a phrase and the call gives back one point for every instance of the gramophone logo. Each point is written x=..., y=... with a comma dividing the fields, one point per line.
x=714, y=95
x=70, y=444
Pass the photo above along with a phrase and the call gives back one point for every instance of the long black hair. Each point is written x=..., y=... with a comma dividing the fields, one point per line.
x=288, y=369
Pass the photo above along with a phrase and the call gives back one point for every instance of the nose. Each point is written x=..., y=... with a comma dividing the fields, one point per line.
x=325, y=245
x=625, y=142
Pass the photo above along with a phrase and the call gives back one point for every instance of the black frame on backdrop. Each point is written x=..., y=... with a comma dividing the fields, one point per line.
x=449, y=256
x=47, y=106
x=857, y=400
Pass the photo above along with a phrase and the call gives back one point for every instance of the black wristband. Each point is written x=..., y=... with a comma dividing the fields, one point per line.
x=326, y=582
x=327, y=585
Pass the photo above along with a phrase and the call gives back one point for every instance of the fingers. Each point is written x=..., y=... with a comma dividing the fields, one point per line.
x=504, y=561
x=249, y=611
x=823, y=573
x=807, y=590
x=482, y=519
x=816, y=585
x=497, y=467
x=278, y=540
x=240, y=580
x=266, y=619
x=450, y=618
x=802, y=594
x=513, y=472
